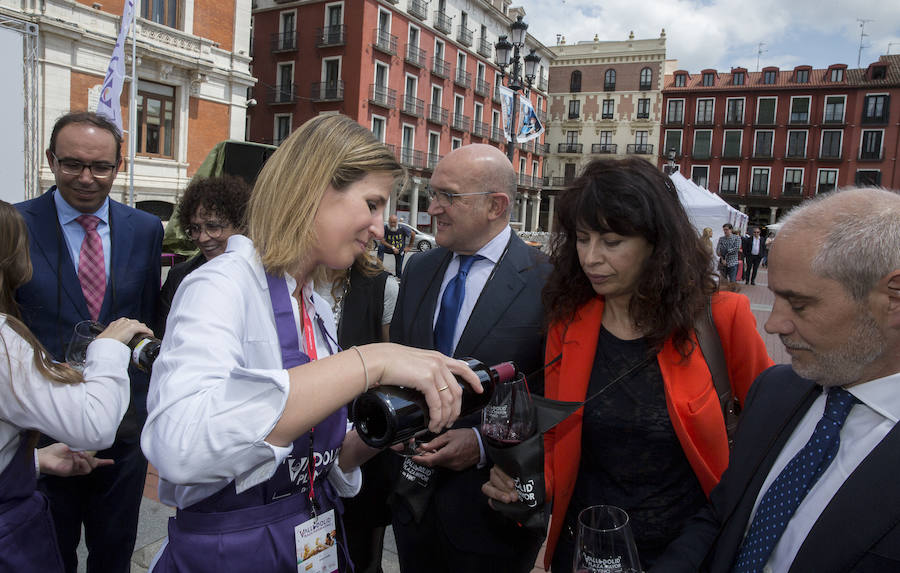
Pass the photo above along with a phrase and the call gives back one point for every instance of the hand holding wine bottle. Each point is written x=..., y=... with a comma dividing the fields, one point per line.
x=132, y=333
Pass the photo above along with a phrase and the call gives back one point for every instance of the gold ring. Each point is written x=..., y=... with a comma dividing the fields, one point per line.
x=442, y=389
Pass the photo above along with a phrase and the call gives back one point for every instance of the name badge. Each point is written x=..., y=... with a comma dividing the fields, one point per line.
x=316, y=542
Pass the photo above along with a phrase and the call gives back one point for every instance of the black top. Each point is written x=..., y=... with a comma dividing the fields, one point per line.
x=361, y=317
x=631, y=457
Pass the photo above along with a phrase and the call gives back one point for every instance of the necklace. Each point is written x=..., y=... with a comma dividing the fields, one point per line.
x=338, y=306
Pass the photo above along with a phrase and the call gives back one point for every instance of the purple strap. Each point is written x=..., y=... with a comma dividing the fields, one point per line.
x=284, y=323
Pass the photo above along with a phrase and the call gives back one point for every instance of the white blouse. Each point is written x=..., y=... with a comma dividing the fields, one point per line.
x=218, y=388
x=84, y=416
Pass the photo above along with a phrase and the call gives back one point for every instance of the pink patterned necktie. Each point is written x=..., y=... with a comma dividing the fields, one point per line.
x=91, y=266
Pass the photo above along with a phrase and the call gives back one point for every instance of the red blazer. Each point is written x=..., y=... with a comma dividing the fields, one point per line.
x=691, y=398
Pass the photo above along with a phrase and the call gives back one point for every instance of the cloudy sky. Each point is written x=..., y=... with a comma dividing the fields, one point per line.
x=722, y=34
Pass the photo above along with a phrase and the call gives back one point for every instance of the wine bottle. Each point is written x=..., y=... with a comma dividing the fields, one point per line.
x=389, y=415
x=144, y=348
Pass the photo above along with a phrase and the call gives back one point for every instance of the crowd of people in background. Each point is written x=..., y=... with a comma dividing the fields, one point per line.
x=284, y=316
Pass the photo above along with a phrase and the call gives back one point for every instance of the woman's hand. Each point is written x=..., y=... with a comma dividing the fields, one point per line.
x=57, y=459
x=427, y=371
x=124, y=329
x=501, y=487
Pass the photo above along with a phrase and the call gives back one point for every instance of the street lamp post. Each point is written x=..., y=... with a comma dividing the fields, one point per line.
x=508, y=55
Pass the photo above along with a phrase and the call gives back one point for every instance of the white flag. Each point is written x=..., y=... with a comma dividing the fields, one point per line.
x=528, y=124
x=108, y=106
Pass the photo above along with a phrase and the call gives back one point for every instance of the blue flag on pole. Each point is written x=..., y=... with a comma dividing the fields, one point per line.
x=108, y=106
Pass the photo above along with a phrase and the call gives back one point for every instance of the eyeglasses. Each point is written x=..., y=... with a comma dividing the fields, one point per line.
x=213, y=230
x=444, y=199
x=101, y=170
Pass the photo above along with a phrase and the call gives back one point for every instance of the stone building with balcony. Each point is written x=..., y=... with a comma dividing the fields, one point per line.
x=766, y=140
x=421, y=75
x=605, y=101
x=193, y=72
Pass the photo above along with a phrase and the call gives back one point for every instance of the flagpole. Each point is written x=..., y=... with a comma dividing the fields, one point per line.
x=132, y=110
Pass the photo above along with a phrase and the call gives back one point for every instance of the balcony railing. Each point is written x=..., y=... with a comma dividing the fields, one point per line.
x=795, y=154
x=833, y=121
x=542, y=115
x=640, y=148
x=559, y=181
x=606, y=115
x=760, y=191
x=830, y=155
x=327, y=91
x=331, y=36
x=485, y=49
x=799, y=119
x=385, y=42
x=700, y=154
x=875, y=118
x=542, y=84
x=674, y=120
x=870, y=155
x=462, y=78
x=464, y=36
x=609, y=86
x=442, y=21
x=282, y=94
x=569, y=148
x=644, y=86
x=762, y=154
x=731, y=153
x=496, y=96
x=284, y=42
x=382, y=96
x=418, y=9
x=410, y=157
x=431, y=161
x=525, y=180
x=704, y=121
x=460, y=122
x=481, y=129
x=792, y=190
x=413, y=106
x=437, y=114
x=541, y=148
x=604, y=147
x=415, y=55
x=643, y=115
x=574, y=114
x=497, y=134
x=440, y=68
x=482, y=88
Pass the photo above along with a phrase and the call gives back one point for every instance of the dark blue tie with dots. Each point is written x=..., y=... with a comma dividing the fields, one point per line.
x=451, y=303
x=790, y=487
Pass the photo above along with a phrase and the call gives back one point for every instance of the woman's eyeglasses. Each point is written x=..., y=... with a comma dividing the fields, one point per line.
x=213, y=230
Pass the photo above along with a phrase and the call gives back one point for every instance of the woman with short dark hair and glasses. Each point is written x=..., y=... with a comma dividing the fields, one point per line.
x=212, y=210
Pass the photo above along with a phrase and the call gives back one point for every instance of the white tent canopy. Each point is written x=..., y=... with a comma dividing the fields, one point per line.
x=707, y=209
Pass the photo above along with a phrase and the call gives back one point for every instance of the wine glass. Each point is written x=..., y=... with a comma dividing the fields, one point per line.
x=83, y=334
x=509, y=417
x=604, y=543
x=413, y=446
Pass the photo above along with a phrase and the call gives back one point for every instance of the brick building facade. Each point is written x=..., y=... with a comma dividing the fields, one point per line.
x=766, y=140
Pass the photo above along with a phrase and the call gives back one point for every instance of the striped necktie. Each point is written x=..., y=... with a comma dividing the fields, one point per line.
x=91, y=265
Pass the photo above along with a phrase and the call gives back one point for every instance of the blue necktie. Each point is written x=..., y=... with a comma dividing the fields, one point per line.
x=793, y=483
x=451, y=302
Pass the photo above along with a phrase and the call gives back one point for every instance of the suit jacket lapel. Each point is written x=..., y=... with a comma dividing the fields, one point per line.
x=420, y=320
x=50, y=245
x=121, y=240
x=872, y=485
x=777, y=414
x=499, y=292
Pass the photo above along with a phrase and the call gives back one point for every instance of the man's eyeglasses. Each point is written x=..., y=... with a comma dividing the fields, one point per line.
x=73, y=167
x=444, y=199
x=213, y=230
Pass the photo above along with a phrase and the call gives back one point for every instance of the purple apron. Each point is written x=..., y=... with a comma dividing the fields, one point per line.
x=27, y=535
x=253, y=531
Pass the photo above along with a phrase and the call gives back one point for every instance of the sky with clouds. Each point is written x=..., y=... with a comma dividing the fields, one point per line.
x=722, y=34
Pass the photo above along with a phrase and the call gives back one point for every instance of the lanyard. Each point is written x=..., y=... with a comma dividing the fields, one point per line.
x=309, y=339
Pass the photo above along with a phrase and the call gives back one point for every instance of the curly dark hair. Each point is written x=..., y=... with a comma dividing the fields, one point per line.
x=632, y=198
x=226, y=196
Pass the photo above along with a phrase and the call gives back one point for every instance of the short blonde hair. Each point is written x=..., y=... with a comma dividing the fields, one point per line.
x=328, y=150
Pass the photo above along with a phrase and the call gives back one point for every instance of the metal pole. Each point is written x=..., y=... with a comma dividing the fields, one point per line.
x=132, y=110
x=511, y=145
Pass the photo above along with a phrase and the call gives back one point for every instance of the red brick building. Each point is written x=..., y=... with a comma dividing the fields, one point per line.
x=420, y=75
x=766, y=140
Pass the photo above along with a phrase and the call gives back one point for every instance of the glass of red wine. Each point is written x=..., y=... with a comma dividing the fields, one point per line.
x=509, y=417
x=605, y=543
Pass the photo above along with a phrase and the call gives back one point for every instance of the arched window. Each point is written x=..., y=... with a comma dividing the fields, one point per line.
x=575, y=81
x=646, y=79
x=609, y=81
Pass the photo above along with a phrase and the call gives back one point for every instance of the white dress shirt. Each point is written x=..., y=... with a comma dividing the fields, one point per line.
x=84, y=416
x=476, y=280
x=218, y=387
x=867, y=424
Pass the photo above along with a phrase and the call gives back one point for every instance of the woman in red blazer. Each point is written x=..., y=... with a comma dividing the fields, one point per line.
x=630, y=280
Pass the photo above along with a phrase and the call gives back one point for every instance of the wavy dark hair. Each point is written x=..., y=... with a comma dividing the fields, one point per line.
x=632, y=198
x=225, y=196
